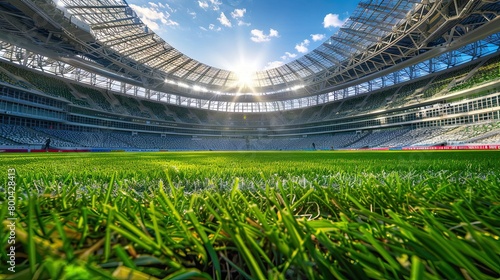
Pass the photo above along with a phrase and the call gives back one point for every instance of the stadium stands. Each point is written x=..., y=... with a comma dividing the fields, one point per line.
x=376, y=101
x=21, y=135
x=378, y=138
x=441, y=84
x=96, y=97
x=183, y=115
x=488, y=132
x=409, y=93
x=79, y=139
x=46, y=84
x=11, y=75
x=485, y=130
x=158, y=110
x=6, y=78
x=452, y=98
x=488, y=72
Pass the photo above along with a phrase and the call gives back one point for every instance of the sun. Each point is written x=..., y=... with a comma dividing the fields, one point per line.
x=245, y=74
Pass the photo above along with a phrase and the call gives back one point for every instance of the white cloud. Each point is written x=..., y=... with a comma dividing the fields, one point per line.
x=192, y=14
x=273, y=64
x=212, y=4
x=214, y=28
x=258, y=36
x=332, y=20
x=152, y=16
x=203, y=5
x=242, y=23
x=161, y=5
x=238, y=13
x=172, y=23
x=211, y=27
x=302, y=46
x=288, y=55
x=317, y=37
x=224, y=20
x=278, y=63
x=215, y=4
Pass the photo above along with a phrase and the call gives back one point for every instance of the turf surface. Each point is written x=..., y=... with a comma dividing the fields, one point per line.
x=299, y=215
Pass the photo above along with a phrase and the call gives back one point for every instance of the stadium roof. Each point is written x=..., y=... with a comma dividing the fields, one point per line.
x=116, y=26
x=381, y=37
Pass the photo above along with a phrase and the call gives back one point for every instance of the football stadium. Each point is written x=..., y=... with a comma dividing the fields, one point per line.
x=372, y=156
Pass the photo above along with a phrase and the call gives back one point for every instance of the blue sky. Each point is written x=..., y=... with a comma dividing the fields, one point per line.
x=254, y=34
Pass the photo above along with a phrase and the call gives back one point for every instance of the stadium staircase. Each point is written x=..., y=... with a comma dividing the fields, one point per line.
x=145, y=110
x=9, y=78
x=487, y=135
x=76, y=93
x=393, y=98
x=94, y=97
x=356, y=140
x=15, y=76
x=464, y=79
x=116, y=106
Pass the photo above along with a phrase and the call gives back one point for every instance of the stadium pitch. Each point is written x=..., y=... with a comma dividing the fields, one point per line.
x=251, y=215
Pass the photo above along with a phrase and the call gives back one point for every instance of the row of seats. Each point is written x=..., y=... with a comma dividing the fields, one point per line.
x=413, y=137
x=158, y=110
x=378, y=138
x=92, y=98
x=11, y=135
x=132, y=106
x=87, y=139
x=21, y=135
x=43, y=83
x=487, y=72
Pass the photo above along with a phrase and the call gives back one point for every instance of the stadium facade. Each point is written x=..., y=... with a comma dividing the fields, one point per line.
x=90, y=74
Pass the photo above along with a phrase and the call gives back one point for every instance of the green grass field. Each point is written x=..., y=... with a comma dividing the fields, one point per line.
x=251, y=215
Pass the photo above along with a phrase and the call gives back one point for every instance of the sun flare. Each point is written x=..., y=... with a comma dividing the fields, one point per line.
x=245, y=74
